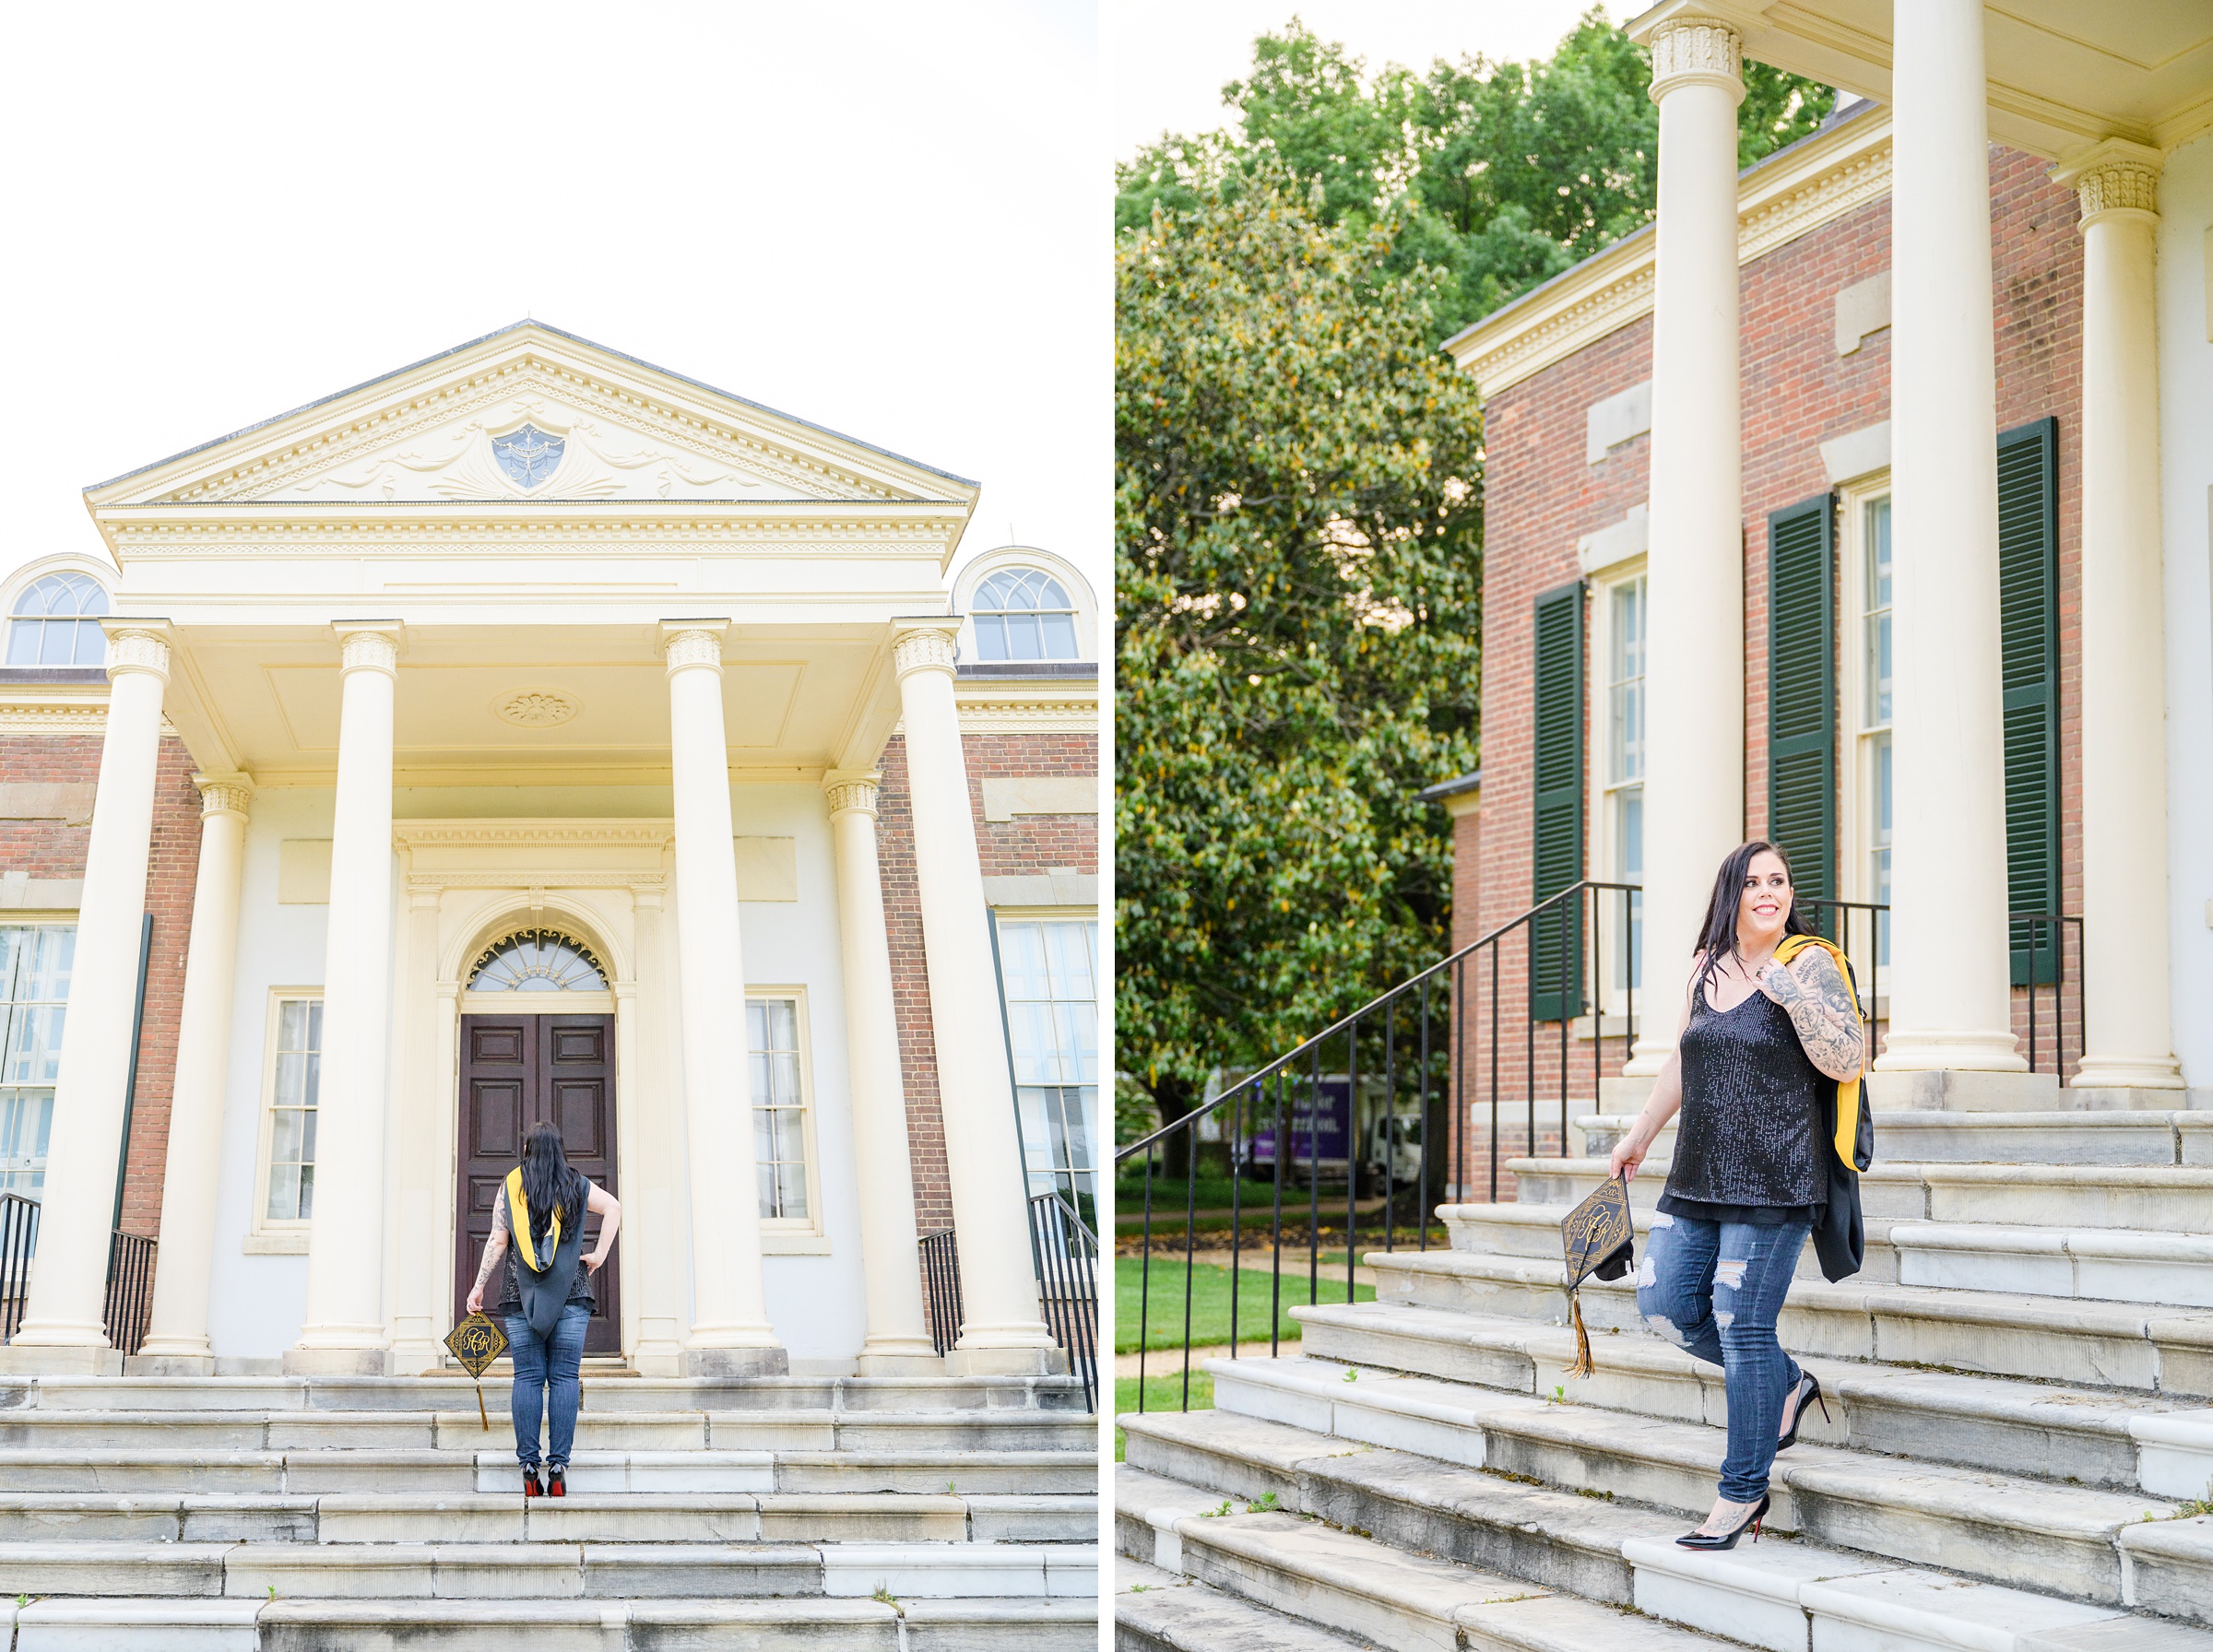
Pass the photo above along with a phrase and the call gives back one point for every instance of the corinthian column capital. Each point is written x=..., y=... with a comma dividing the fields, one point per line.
x=224, y=794
x=689, y=644
x=854, y=790
x=137, y=648
x=373, y=647
x=1691, y=49
x=924, y=645
x=2115, y=177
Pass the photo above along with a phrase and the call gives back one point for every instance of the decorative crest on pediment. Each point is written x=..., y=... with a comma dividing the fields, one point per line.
x=530, y=429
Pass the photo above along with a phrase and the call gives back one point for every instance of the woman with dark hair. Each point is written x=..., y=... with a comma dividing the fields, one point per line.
x=1759, y=1044
x=546, y=1299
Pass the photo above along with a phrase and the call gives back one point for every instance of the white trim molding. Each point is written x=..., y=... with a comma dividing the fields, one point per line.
x=1795, y=191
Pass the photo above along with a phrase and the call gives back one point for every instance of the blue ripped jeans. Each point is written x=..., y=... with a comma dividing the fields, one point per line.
x=545, y=1379
x=1714, y=1290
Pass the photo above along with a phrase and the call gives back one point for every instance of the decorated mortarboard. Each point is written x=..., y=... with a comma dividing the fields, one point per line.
x=476, y=1342
x=1599, y=1242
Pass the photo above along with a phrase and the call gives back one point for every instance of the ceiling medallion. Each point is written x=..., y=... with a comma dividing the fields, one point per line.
x=536, y=708
x=529, y=455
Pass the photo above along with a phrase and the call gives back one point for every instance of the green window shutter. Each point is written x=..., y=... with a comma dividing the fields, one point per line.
x=1557, y=937
x=2028, y=655
x=1801, y=697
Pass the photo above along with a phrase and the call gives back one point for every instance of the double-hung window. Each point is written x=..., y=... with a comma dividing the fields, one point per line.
x=781, y=1087
x=1874, y=713
x=1048, y=973
x=34, y=974
x=291, y=1089
x=1623, y=811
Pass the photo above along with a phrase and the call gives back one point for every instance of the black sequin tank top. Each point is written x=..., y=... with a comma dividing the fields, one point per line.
x=1751, y=1128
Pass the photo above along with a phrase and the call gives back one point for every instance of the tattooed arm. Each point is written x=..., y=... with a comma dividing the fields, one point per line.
x=495, y=1247
x=1814, y=994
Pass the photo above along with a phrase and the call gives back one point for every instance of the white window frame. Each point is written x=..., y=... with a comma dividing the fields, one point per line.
x=794, y=1235
x=1855, y=776
x=1003, y=915
x=1602, y=847
x=267, y=1236
x=40, y=920
x=23, y=578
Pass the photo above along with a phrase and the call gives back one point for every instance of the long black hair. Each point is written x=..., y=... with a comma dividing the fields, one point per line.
x=549, y=1182
x=1717, y=938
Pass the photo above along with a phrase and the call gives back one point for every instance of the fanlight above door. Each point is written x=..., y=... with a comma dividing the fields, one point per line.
x=537, y=960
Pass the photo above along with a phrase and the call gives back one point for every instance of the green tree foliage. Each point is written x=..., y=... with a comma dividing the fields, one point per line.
x=1298, y=569
x=1502, y=174
x=1297, y=588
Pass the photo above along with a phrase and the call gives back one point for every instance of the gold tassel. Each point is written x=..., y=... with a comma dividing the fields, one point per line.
x=1582, y=1366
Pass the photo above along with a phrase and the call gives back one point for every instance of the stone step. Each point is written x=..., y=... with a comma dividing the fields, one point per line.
x=486, y=1517
x=457, y=1392
x=1533, y=1231
x=315, y=1471
x=1984, y=1138
x=2092, y=1264
x=2112, y=1439
x=1386, y=1597
x=327, y=1625
x=62, y=1427
x=547, y=1571
x=2096, y=1344
x=1163, y=1612
x=2001, y=1528
x=2163, y=1198
x=1755, y=1594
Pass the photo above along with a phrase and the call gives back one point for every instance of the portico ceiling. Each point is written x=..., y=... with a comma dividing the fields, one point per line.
x=530, y=509
x=2063, y=73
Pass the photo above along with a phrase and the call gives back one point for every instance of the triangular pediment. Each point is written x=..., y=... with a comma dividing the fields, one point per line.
x=526, y=415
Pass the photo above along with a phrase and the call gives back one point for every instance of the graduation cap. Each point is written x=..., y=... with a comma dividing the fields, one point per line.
x=1598, y=1241
x=476, y=1342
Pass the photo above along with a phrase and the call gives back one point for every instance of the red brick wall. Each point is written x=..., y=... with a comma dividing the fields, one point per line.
x=1029, y=844
x=50, y=849
x=1541, y=496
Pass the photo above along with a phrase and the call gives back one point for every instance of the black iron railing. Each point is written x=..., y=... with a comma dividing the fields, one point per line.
x=942, y=1288
x=130, y=1294
x=1377, y=1095
x=1498, y=1041
x=130, y=1289
x=18, y=1239
x=2044, y=936
x=1067, y=1284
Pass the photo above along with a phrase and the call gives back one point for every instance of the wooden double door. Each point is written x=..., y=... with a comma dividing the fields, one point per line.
x=515, y=1071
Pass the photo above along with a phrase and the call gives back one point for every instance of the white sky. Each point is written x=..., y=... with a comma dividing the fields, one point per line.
x=1169, y=59
x=890, y=219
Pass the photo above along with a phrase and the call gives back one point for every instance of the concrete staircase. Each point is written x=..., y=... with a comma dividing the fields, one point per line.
x=2016, y=1458
x=377, y=1513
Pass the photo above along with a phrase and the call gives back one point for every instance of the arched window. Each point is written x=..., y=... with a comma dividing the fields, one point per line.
x=53, y=623
x=537, y=960
x=1023, y=614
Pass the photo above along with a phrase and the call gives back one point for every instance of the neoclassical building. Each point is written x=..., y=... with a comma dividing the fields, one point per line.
x=528, y=733
x=1862, y=502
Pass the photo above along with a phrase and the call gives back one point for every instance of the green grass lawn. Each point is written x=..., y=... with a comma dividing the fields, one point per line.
x=1162, y=1393
x=1210, y=1303
x=1172, y=1198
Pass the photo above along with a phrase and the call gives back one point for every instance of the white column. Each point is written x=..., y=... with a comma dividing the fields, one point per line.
x=176, y=1341
x=898, y=1337
x=2126, y=989
x=64, y=1322
x=651, y=1248
x=1950, y=973
x=1002, y=1330
x=344, y=1331
x=1694, y=787
x=731, y=1334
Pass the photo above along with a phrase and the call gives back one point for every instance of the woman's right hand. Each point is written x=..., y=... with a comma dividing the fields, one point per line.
x=1628, y=1154
x=476, y=1299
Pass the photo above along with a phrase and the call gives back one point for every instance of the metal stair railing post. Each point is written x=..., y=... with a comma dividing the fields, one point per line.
x=941, y=1286
x=1070, y=1289
x=1372, y=1034
x=130, y=1296
x=18, y=1242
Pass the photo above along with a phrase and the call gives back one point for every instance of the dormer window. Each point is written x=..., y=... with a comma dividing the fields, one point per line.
x=55, y=622
x=1024, y=614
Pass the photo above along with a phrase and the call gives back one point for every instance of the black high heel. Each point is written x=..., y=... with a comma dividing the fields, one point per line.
x=1809, y=1393
x=557, y=1485
x=1700, y=1540
x=530, y=1486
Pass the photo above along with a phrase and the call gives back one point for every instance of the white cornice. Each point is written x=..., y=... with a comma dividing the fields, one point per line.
x=1059, y=707
x=1807, y=185
x=617, y=834
x=525, y=359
